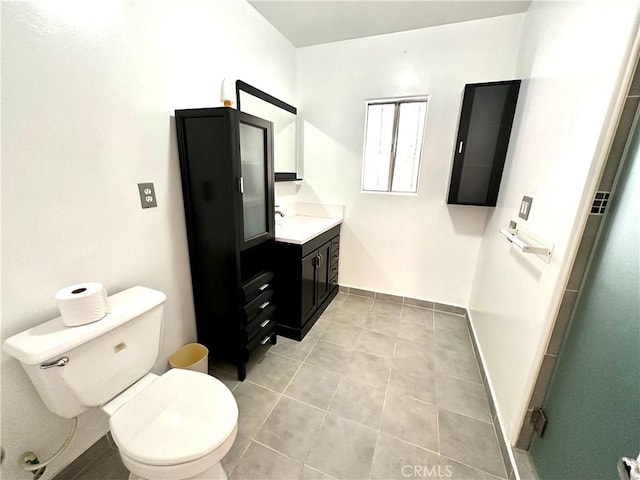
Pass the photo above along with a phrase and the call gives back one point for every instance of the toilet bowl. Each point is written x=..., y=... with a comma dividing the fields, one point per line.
x=178, y=426
x=175, y=426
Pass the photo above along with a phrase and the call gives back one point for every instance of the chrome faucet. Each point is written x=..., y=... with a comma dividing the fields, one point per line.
x=278, y=212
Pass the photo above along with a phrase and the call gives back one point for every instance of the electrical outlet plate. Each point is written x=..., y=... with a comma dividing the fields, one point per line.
x=525, y=207
x=147, y=195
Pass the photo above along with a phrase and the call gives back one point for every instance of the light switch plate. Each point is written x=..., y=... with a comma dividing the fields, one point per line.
x=525, y=207
x=147, y=195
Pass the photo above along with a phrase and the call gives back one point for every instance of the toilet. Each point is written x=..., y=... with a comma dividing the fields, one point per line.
x=175, y=426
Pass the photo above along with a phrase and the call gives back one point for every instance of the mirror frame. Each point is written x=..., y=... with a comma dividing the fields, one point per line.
x=256, y=92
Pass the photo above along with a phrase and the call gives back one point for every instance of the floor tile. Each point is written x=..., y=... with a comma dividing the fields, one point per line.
x=254, y=404
x=382, y=324
x=231, y=459
x=95, y=452
x=294, y=349
x=356, y=303
x=343, y=449
x=313, y=385
x=337, y=302
x=359, y=401
x=411, y=420
x=450, y=321
x=423, y=316
x=346, y=317
x=409, y=384
x=369, y=368
x=329, y=356
x=262, y=463
x=415, y=332
x=463, y=397
x=457, y=365
x=457, y=341
x=457, y=471
x=470, y=441
x=398, y=389
x=395, y=459
x=414, y=357
x=344, y=336
x=386, y=308
x=291, y=428
x=274, y=371
x=309, y=473
x=229, y=379
x=107, y=467
x=376, y=344
x=525, y=466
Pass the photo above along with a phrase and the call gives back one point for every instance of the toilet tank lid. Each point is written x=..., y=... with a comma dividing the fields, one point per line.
x=52, y=339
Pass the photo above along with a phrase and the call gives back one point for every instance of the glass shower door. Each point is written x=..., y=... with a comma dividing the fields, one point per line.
x=593, y=403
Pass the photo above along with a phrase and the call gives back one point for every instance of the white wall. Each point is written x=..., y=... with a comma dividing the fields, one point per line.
x=88, y=93
x=571, y=59
x=411, y=245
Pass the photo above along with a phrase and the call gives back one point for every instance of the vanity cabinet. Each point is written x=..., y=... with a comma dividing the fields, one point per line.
x=226, y=164
x=485, y=124
x=306, y=281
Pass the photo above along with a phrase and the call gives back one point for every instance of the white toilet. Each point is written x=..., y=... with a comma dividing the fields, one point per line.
x=175, y=426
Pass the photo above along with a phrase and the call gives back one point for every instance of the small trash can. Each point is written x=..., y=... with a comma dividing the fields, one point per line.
x=192, y=356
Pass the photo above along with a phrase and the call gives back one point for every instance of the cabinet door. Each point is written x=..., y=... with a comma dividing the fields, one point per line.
x=256, y=180
x=309, y=290
x=323, y=272
x=483, y=137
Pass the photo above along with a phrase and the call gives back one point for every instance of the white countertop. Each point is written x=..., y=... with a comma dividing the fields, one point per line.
x=299, y=229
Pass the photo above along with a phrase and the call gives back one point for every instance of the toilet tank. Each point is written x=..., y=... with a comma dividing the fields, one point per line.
x=104, y=357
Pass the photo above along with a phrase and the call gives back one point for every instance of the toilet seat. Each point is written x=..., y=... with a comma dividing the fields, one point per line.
x=179, y=418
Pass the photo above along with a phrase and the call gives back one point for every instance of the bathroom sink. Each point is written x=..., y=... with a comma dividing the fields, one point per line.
x=299, y=229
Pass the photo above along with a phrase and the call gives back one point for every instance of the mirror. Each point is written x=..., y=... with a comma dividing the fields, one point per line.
x=284, y=116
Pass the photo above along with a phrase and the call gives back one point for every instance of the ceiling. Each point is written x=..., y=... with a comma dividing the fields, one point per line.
x=312, y=22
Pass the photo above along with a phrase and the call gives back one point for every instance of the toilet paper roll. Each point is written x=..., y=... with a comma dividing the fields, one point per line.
x=82, y=303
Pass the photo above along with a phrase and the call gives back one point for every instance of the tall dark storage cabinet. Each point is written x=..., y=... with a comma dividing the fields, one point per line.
x=226, y=161
x=483, y=137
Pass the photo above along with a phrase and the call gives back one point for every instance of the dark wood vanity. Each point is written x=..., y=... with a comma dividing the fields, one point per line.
x=306, y=281
x=227, y=184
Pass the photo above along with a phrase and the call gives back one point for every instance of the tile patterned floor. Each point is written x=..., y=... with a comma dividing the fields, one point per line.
x=376, y=390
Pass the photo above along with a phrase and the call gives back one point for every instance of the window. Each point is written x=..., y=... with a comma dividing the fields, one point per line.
x=393, y=143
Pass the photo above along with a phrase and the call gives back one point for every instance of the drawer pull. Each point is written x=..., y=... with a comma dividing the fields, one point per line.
x=266, y=339
x=264, y=305
x=264, y=324
x=263, y=287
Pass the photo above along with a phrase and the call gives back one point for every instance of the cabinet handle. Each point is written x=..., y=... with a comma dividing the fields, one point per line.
x=264, y=305
x=319, y=259
x=460, y=146
x=264, y=324
x=266, y=339
x=241, y=185
x=263, y=287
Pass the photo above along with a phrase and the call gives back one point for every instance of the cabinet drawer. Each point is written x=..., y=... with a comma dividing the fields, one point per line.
x=335, y=243
x=259, y=322
x=335, y=255
x=333, y=282
x=259, y=303
x=254, y=287
x=263, y=337
x=333, y=272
